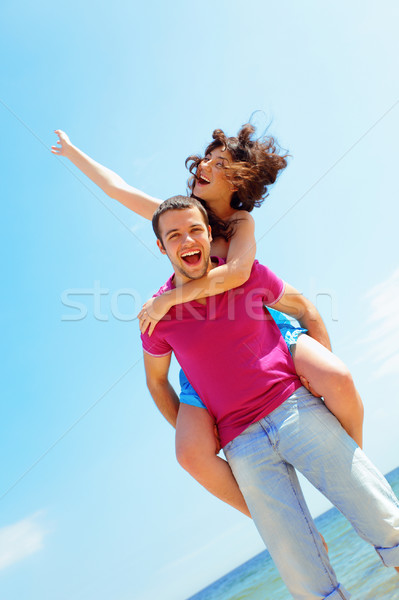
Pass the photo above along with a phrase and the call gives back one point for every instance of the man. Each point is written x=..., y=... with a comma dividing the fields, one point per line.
x=235, y=358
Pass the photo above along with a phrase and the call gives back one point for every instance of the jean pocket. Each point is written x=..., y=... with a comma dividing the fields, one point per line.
x=304, y=397
x=229, y=447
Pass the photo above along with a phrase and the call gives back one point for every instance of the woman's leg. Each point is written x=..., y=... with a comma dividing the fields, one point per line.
x=196, y=452
x=329, y=377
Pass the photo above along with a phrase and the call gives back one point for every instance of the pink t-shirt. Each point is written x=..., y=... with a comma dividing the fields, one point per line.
x=231, y=351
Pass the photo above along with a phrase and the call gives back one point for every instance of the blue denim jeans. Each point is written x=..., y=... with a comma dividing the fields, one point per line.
x=302, y=434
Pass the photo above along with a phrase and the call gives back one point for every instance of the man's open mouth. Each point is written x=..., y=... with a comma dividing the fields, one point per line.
x=191, y=257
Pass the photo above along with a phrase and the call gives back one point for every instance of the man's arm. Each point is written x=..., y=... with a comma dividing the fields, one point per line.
x=293, y=303
x=164, y=396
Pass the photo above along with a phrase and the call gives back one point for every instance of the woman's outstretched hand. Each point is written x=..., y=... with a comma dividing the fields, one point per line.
x=63, y=143
x=152, y=312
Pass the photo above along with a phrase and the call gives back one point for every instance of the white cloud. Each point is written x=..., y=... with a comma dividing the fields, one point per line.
x=381, y=341
x=20, y=540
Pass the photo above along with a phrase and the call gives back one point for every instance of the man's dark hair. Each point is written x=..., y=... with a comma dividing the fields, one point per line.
x=176, y=203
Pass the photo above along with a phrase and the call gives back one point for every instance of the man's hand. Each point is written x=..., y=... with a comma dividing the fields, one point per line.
x=306, y=384
x=152, y=312
x=63, y=144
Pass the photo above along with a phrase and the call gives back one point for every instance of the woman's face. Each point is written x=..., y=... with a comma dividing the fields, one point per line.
x=211, y=183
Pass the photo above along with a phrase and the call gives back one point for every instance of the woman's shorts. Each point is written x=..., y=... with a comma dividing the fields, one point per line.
x=290, y=330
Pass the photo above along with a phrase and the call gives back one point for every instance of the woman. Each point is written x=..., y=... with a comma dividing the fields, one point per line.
x=232, y=178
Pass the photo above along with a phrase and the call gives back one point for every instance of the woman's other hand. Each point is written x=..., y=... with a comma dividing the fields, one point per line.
x=152, y=312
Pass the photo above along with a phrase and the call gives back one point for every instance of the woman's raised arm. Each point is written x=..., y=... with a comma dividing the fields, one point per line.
x=113, y=185
x=232, y=274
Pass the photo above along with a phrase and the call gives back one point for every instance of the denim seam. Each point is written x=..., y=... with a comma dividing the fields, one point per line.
x=273, y=429
x=337, y=589
x=307, y=522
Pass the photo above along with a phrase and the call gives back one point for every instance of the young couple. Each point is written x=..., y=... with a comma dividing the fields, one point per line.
x=231, y=179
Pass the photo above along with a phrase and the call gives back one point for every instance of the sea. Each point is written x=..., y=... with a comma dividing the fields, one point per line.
x=355, y=562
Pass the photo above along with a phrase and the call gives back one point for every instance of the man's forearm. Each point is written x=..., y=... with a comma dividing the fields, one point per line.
x=312, y=321
x=166, y=400
x=293, y=303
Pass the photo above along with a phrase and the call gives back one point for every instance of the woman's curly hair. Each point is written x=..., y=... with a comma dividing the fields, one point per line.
x=256, y=165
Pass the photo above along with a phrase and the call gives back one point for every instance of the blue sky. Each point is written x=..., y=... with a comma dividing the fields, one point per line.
x=93, y=503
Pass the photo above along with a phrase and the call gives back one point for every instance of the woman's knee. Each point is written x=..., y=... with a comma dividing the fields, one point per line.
x=190, y=455
x=185, y=452
x=195, y=439
x=341, y=377
x=342, y=382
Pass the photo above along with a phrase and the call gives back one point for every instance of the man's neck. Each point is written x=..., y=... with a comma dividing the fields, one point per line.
x=179, y=279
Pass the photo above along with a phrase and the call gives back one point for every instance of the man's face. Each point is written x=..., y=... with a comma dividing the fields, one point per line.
x=186, y=241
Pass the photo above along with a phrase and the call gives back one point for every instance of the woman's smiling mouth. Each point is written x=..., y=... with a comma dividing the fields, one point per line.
x=202, y=180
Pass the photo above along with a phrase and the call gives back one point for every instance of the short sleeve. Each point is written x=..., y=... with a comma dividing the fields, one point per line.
x=155, y=345
x=272, y=286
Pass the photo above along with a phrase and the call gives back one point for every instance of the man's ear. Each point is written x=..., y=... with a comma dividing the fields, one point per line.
x=210, y=233
x=160, y=246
